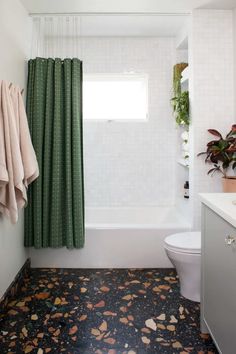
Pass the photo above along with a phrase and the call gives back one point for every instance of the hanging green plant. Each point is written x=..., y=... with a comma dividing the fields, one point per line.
x=180, y=101
x=177, y=75
x=181, y=108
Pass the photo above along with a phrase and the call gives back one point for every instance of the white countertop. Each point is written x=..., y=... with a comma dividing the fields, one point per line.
x=222, y=204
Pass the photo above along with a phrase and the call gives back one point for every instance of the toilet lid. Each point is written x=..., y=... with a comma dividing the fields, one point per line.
x=189, y=242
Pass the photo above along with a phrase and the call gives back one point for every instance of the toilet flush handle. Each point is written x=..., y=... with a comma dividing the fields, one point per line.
x=230, y=240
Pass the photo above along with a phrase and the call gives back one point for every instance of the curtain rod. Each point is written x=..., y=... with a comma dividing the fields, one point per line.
x=109, y=14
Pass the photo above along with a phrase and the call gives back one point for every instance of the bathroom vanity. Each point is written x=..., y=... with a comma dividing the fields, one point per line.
x=218, y=283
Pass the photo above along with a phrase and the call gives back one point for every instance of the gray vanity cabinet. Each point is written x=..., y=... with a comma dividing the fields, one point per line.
x=218, y=301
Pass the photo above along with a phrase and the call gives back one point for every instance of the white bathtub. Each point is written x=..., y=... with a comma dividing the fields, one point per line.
x=118, y=238
x=134, y=218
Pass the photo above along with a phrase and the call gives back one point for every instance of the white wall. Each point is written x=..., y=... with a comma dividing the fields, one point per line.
x=212, y=91
x=132, y=163
x=14, y=41
x=234, y=24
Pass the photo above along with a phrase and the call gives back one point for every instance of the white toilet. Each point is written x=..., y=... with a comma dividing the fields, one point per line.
x=184, y=252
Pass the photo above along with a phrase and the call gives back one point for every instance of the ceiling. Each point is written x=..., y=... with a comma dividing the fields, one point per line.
x=132, y=18
x=131, y=26
x=124, y=6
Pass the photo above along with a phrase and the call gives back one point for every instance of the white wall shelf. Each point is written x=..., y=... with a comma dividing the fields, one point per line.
x=182, y=39
x=183, y=163
x=185, y=76
x=182, y=168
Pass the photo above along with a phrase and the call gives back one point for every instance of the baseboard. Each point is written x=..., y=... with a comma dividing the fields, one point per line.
x=15, y=286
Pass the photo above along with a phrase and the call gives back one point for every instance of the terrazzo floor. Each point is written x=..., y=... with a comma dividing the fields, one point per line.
x=103, y=312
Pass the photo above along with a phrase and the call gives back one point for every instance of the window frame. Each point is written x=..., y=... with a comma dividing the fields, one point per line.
x=117, y=77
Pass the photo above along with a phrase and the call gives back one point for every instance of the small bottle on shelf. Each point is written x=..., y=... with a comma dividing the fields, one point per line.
x=186, y=190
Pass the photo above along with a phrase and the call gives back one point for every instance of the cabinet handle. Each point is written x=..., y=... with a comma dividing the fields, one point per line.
x=230, y=240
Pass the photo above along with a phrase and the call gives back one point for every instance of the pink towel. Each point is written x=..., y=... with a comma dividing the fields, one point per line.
x=4, y=178
x=29, y=160
x=17, y=152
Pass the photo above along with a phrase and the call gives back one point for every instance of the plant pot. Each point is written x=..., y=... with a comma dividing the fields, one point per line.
x=229, y=184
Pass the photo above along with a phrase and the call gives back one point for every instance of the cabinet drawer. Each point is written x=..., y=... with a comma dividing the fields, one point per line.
x=219, y=280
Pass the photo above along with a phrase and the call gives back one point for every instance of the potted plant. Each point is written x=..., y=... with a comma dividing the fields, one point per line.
x=221, y=152
x=180, y=101
x=177, y=76
x=181, y=108
x=180, y=104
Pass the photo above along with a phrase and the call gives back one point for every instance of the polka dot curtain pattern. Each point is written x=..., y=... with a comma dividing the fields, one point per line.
x=54, y=216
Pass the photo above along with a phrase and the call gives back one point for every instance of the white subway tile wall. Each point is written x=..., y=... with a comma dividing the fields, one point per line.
x=132, y=163
x=212, y=92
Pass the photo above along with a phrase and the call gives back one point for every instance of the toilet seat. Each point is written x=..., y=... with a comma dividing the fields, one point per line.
x=185, y=242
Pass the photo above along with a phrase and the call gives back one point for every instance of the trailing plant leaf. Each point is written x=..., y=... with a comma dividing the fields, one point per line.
x=181, y=108
x=232, y=148
x=202, y=153
x=213, y=170
x=215, y=132
x=211, y=143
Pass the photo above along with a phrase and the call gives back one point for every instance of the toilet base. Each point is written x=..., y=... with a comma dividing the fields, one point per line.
x=190, y=290
x=188, y=267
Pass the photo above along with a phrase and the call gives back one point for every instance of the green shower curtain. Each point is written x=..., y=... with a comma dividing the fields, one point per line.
x=54, y=216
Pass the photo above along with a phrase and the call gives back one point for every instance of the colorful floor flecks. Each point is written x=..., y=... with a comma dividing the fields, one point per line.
x=107, y=311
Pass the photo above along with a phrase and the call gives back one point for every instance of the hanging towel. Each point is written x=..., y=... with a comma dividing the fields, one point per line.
x=20, y=159
x=28, y=156
x=4, y=178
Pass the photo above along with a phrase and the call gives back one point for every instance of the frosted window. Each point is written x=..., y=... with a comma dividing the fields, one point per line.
x=115, y=96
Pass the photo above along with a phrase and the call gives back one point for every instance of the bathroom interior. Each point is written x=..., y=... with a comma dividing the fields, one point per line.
x=117, y=176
